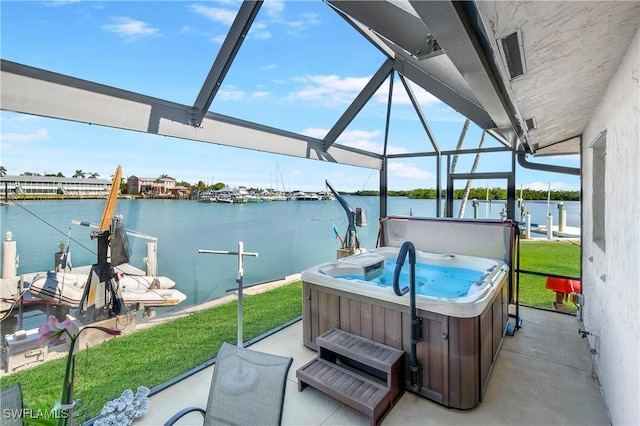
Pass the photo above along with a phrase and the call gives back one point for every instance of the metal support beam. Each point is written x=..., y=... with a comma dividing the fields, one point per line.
x=391, y=22
x=34, y=91
x=482, y=150
x=439, y=185
x=358, y=103
x=465, y=106
x=454, y=26
x=421, y=117
x=236, y=35
x=508, y=176
x=383, y=188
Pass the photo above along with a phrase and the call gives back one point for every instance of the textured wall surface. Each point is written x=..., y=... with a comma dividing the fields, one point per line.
x=611, y=274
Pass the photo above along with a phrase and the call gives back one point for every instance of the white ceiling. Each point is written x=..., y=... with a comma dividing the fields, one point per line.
x=571, y=51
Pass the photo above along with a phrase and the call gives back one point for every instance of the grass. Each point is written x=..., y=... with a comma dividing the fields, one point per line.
x=554, y=257
x=155, y=355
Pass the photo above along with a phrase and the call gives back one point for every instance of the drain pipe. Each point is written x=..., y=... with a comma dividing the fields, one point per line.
x=522, y=160
x=416, y=323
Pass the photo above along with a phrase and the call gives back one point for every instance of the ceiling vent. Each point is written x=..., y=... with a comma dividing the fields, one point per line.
x=513, y=54
x=531, y=123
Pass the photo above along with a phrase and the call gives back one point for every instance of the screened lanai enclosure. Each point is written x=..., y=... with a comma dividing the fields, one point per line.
x=416, y=53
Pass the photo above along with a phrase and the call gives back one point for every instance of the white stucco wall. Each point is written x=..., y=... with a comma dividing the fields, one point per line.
x=611, y=277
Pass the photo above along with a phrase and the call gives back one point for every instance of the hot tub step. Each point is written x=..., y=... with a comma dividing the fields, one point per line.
x=358, y=392
x=366, y=351
x=349, y=386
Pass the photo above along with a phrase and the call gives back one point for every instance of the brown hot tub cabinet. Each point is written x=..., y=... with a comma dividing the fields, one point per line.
x=456, y=354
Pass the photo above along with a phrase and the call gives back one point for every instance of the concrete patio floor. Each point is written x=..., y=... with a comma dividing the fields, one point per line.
x=543, y=376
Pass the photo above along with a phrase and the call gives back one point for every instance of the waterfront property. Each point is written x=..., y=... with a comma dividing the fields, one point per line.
x=538, y=78
x=53, y=185
x=159, y=186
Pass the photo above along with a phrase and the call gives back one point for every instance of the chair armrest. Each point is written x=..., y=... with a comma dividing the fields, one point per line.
x=181, y=413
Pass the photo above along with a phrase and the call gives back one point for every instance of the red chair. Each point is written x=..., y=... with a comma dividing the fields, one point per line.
x=562, y=287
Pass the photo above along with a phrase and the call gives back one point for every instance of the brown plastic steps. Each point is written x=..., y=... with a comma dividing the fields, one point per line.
x=349, y=386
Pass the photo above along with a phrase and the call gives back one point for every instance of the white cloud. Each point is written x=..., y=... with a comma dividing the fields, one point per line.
x=260, y=94
x=409, y=171
x=314, y=132
x=216, y=14
x=331, y=90
x=130, y=28
x=361, y=139
x=55, y=3
x=259, y=31
x=230, y=94
x=297, y=27
x=25, y=138
x=269, y=67
x=401, y=97
x=273, y=8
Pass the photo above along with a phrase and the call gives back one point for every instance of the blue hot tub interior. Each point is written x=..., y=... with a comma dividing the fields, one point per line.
x=431, y=280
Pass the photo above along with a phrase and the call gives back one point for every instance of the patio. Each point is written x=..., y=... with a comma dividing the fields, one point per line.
x=543, y=376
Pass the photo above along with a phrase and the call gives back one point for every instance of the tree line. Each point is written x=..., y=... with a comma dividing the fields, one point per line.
x=480, y=194
x=77, y=174
x=420, y=193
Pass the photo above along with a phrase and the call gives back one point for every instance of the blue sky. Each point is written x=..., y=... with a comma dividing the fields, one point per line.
x=299, y=69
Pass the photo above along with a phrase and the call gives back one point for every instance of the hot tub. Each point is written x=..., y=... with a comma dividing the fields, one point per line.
x=447, y=284
x=461, y=301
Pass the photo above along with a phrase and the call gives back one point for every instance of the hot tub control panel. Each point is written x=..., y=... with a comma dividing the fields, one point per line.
x=367, y=266
x=373, y=270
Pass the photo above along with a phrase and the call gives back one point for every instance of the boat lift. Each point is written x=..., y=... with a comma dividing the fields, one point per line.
x=356, y=217
x=102, y=297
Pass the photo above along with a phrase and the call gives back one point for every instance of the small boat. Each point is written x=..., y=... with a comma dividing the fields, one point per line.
x=253, y=198
x=326, y=196
x=206, y=199
x=67, y=289
x=224, y=196
x=303, y=196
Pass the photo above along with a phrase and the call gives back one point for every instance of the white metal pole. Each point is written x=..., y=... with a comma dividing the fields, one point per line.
x=9, y=256
x=239, y=280
x=240, y=253
x=152, y=259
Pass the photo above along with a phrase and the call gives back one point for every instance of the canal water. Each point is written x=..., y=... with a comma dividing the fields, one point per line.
x=288, y=236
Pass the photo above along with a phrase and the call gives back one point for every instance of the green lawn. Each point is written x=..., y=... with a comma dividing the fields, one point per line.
x=554, y=257
x=153, y=356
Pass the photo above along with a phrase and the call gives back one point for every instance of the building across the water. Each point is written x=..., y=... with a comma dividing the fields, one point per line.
x=54, y=185
x=156, y=186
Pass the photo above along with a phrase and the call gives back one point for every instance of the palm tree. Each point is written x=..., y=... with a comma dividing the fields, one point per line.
x=94, y=175
x=3, y=171
x=79, y=174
